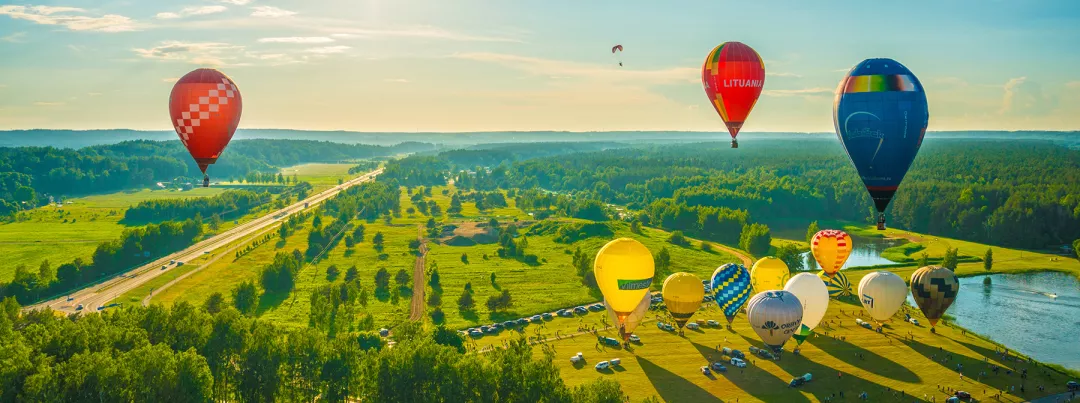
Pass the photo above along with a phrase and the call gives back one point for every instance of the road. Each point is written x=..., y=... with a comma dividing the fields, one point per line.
x=94, y=297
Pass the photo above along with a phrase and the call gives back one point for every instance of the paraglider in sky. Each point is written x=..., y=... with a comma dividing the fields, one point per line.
x=882, y=293
x=831, y=249
x=733, y=76
x=683, y=293
x=814, y=298
x=205, y=106
x=837, y=284
x=934, y=289
x=775, y=317
x=633, y=320
x=617, y=51
x=880, y=115
x=731, y=288
x=769, y=273
x=624, y=271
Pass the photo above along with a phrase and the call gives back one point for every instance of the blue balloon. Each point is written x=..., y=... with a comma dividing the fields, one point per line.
x=880, y=115
x=731, y=288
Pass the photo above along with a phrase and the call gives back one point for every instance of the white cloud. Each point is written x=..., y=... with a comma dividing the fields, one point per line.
x=326, y=50
x=395, y=80
x=792, y=75
x=799, y=92
x=1026, y=97
x=93, y=94
x=14, y=38
x=48, y=15
x=594, y=72
x=270, y=12
x=236, y=2
x=298, y=39
x=1073, y=84
x=170, y=79
x=422, y=32
x=190, y=11
x=206, y=53
x=49, y=103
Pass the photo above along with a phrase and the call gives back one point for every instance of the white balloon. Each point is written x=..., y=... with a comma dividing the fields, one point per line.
x=775, y=316
x=882, y=293
x=635, y=317
x=812, y=294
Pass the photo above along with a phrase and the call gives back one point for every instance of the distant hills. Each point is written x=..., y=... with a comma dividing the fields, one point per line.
x=83, y=138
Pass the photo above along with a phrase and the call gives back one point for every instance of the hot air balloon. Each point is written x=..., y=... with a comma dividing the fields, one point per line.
x=731, y=288
x=934, y=288
x=205, y=106
x=769, y=273
x=683, y=293
x=633, y=320
x=831, y=249
x=814, y=298
x=617, y=52
x=624, y=271
x=837, y=284
x=882, y=294
x=733, y=76
x=775, y=317
x=880, y=115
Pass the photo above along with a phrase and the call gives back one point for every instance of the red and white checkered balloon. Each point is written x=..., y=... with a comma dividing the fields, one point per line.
x=205, y=106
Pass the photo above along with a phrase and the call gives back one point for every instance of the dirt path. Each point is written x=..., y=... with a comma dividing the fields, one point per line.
x=417, y=307
x=746, y=260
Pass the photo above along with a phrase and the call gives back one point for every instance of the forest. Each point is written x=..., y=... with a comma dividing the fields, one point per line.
x=214, y=353
x=28, y=175
x=1017, y=194
x=228, y=204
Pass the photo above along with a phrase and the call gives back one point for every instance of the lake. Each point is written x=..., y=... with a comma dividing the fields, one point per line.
x=865, y=252
x=1021, y=312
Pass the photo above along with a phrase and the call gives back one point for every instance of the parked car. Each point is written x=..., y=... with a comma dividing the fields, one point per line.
x=692, y=326
x=610, y=341
x=738, y=362
x=1072, y=385
x=615, y=362
x=475, y=333
x=496, y=326
x=660, y=325
x=547, y=316
x=484, y=328
x=522, y=322
x=581, y=310
x=962, y=395
x=730, y=352
x=564, y=313
x=712, y=323
x=596, y=307
x=635, y=339
x=536, y=318
x=602, y=365
x=914, y=321
x=705, y=370
x=718, y=367
x=491, y=330
x=576, y=358
x=509, y=324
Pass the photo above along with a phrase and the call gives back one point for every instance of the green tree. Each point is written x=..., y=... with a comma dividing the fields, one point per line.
x=924, y=260
x=663, y=263
x=950, y=259
x=465, y=301
x=246, y=297
x=678, y=238
x=332, y=272
x=755, y=238
x=1076, y=248
x=500, y=302
x=811, y=230
x=434, y=280
x=434, y=299
x=635, y=226
x=402, y=278
x=382, y=279
x=214, y=303
x=351, y=274
x=46, y=273
x=789, y=253
x=465, y=258
x=492, y=277
x=988, y=260
x=377, y=241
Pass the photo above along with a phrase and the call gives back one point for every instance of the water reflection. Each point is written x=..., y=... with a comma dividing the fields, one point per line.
x=866, y=252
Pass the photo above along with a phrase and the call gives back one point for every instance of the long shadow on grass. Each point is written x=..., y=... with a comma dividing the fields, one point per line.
x=270, y=300
x=674, y=388
x=870, y=360
x=825, y=383
x=990, y=354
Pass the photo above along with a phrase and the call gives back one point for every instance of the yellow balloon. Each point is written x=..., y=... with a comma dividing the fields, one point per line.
x=831, y=249
x=624, y=271
x=683, y=293
x=769, y=273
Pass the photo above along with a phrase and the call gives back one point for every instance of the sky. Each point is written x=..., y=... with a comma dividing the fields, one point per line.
x=497, y=65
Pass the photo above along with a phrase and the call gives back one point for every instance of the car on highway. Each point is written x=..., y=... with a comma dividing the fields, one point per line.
x=172, y=262
x=179, y=263
x=163, y=267
x=79, y=308
x=70, y=298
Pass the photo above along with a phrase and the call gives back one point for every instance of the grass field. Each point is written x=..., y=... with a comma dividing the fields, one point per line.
x=61, y=234
x=320, y=176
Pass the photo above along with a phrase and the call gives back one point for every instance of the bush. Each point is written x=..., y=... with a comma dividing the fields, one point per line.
x=677, y=238
x=755, y=238
x=499, y=302
x=465, y=301
x=382, y=279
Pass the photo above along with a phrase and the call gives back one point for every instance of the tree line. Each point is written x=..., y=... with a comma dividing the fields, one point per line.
x=227, y=204
x=214, y=353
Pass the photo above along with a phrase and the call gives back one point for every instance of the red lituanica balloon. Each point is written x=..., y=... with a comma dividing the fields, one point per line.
x=205, y=106
x=733, y=76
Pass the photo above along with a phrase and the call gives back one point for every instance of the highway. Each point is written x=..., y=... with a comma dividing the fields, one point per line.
x=94, y=298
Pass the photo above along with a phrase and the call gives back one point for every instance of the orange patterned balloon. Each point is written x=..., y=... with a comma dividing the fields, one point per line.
x=831, y=249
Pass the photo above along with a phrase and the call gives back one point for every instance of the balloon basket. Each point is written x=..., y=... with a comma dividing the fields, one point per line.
x=734, y=144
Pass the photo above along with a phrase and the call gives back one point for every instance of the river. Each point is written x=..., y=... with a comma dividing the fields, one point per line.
x=1021, y=312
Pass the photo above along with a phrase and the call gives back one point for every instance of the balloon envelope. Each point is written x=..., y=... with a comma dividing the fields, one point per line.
x=814, y=298
x=934, y=289
x=882, y=293
x=731, y=288
x=831, y=249
x=880, y=115
x=632, y=320
x=683, y=293
x=769, y=273
x=775, y=317
x=205, y=107
x=733, y=76
x=624, y=271
x=837, y=284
